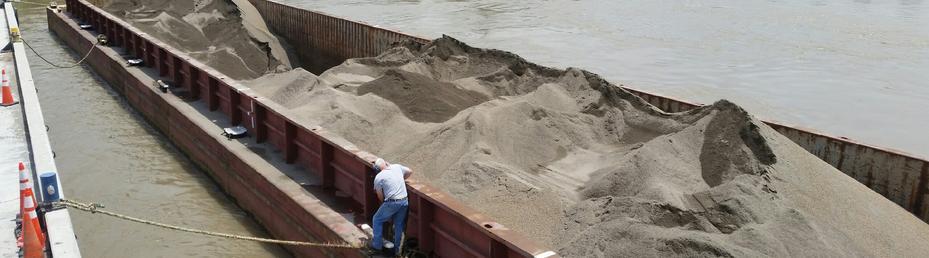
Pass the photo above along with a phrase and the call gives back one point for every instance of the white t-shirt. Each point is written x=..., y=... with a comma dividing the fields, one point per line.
x=390, y=182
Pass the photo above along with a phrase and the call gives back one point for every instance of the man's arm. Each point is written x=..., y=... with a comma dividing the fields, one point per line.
x=379, y=190
x=407, y=172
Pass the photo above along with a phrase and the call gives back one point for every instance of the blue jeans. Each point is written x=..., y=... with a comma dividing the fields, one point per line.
x=394, y=211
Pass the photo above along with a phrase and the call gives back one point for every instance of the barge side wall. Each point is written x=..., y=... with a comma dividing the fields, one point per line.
x=445, y=227
x=329, y=40
x=323, y=41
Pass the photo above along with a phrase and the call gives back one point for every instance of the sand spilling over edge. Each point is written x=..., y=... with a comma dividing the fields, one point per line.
x=563, y=156
x=232, y=39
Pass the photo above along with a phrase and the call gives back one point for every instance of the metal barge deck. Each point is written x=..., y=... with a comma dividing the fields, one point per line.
x=260, y=182
x=23, y=131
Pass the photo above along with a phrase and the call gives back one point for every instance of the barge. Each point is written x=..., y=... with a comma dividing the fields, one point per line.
x=261, y=182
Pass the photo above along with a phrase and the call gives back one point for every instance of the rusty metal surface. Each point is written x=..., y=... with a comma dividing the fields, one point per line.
x=457, y=229
x=323, y=41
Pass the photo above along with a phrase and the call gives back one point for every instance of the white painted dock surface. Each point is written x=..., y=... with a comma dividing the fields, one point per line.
x=13, y=149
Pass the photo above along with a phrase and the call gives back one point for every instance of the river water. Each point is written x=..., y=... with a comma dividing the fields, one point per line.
x=107, y=153
x=858, y=69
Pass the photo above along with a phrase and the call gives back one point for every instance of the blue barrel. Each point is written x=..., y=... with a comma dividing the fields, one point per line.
x=49, y=187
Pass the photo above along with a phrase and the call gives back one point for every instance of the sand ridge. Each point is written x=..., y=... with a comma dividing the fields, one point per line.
x=218, y=33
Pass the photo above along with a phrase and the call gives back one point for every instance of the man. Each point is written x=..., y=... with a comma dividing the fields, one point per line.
x=390, y=186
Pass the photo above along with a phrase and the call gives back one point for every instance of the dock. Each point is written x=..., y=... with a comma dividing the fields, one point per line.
x=23, y=132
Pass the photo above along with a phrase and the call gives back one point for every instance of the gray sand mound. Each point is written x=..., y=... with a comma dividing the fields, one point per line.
x=210, y=31
x=589, y=169
x=562, y=156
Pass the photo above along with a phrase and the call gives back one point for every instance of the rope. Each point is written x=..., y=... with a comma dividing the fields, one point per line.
x=94, y=208
x=62, y=66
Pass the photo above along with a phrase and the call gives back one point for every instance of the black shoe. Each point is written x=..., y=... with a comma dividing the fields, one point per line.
x=390, y=252
x=386, y=252
x=371, y=252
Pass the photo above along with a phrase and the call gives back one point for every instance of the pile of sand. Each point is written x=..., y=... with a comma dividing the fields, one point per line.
x=587, y=168
x=563, y=156
x=232, y=39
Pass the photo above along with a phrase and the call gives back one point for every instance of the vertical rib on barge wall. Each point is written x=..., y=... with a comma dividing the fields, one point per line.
x=900, y=177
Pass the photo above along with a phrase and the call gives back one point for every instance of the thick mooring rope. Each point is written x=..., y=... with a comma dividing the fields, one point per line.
x=94, y=208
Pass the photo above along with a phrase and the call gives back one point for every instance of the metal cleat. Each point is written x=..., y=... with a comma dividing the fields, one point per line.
x=235, y=132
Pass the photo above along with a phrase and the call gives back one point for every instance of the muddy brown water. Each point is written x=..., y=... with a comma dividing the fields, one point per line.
x=107, y=153
x=848, y=68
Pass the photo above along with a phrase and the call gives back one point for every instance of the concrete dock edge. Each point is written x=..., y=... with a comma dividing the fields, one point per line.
x=61, y=238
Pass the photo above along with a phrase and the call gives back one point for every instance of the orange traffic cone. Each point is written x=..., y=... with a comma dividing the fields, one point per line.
x=25, y=184
x=7, y=92
x=26, y=194
x=33, y=241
